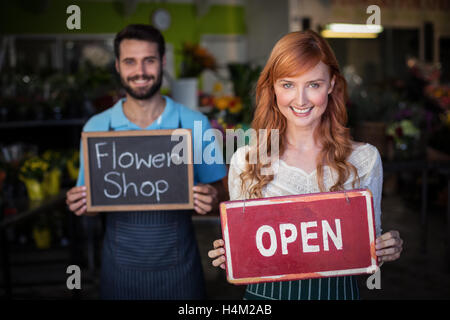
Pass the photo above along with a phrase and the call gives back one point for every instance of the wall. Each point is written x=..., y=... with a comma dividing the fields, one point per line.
x=108, y=17
x=267, y=22
x=102, y=17
x=401, y=14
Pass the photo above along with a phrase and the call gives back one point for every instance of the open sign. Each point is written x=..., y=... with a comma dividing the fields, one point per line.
x=299, y=237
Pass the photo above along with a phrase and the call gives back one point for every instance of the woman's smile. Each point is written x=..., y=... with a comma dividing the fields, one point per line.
x=301, y=112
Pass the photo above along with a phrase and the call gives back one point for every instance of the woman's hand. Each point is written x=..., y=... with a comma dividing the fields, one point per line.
x=218, y=254
x=388, y=246
x=76, y=201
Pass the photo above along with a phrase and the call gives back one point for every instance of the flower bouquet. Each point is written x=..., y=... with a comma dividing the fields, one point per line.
x=32, y=173
x=440, y=94
x=195, y=60
x=405, y=135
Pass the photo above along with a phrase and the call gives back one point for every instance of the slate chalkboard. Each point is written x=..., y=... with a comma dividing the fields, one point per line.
x=138, y=170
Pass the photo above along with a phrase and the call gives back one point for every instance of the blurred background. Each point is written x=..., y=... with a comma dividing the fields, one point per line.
x=57, y=70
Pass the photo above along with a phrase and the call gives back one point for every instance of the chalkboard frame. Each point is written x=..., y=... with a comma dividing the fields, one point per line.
x=138, y=207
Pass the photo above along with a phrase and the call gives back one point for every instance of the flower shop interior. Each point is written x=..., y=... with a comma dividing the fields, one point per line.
x=57, y=70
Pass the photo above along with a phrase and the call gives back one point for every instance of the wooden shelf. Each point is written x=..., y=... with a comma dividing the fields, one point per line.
x=27, y=208
x=42, y=123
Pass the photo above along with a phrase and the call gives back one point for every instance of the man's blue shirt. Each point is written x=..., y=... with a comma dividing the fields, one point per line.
x=174, y=116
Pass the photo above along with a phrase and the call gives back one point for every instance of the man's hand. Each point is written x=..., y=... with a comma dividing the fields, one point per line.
x=205, y=198
x=208, y=196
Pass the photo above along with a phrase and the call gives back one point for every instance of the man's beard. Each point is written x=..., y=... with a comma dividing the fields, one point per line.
x=143, y=93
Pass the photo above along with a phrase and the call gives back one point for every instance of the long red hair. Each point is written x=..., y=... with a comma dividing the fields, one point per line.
x=292, y=55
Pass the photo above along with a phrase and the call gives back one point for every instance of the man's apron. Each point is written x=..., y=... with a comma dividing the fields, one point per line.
x=151, y=255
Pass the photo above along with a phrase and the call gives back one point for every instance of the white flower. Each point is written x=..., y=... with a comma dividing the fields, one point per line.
x=97, y=55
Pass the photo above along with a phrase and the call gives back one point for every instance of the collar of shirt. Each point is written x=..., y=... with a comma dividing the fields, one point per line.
x=168, y=119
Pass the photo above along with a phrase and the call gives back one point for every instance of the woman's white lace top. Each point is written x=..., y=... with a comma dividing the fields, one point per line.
x=290, y=180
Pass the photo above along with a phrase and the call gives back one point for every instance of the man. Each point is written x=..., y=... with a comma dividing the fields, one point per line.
x=149, y=255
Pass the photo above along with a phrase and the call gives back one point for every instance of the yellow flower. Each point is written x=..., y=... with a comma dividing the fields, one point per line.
x=218, y=87
x=446, y=118
x=221, y=103
x=235, y=105
x=33, y=168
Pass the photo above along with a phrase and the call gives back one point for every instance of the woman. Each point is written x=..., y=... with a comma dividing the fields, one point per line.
x=302, y=94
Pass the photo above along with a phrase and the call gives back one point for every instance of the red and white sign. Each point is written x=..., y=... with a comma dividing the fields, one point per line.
x=299, y=237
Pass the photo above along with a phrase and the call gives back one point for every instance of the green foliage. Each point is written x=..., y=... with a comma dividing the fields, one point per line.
x=244, y=77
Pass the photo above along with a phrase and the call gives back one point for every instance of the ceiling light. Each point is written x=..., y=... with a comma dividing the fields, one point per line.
x=345, y=30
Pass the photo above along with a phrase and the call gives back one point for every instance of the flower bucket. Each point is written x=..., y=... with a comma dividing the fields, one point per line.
x=42, y=237
x=35, y=189
x=436, y=155
x=52, y=182
x=72, y=170
x=184, y=91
